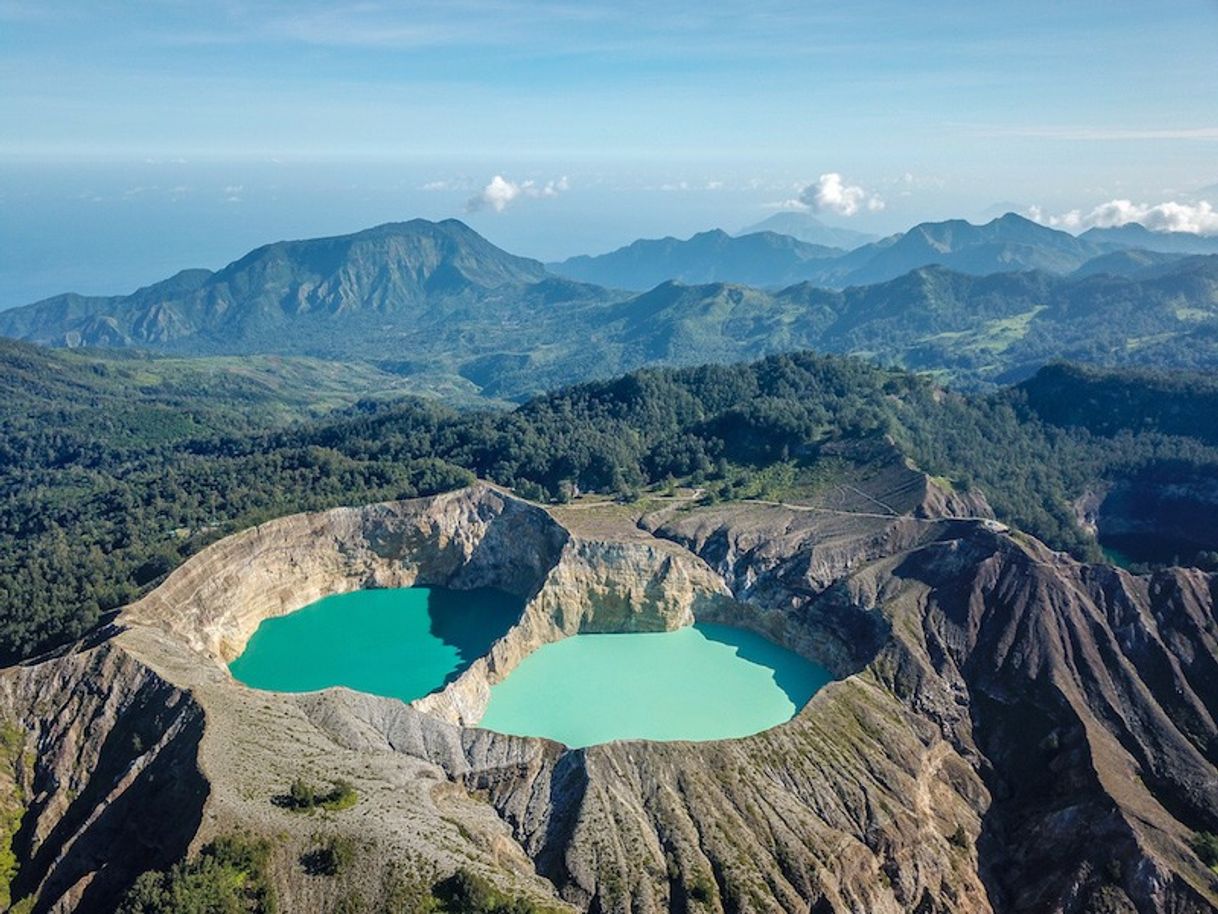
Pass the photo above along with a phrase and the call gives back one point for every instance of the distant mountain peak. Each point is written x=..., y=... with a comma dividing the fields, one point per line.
x=759, y=259
x=420, y=266
x=1136, y=235
x=806, y=227
x=1014, y=218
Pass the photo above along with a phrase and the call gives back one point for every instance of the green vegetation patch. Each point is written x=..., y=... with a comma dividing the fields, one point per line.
x=467, y=893
x=229, y=876
x=304, y=797
x=13, y=763
x=1205, y=846
x=330, y=856
x=992, y=337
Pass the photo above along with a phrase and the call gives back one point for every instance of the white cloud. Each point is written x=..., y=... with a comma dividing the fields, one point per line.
x=453, y=184
x=919, y=181
x=831, y=194
x=1198, y=218
x=501, y=193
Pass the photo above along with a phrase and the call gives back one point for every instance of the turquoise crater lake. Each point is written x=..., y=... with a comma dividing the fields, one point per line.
x=703, y=682
x=402, y=643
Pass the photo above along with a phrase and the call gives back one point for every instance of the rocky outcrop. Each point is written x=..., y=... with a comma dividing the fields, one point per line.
x=593, y=587
x=112, y=764
x=471, y=538
x=1162, y=512
x=1078, y=695
x=1012, y=731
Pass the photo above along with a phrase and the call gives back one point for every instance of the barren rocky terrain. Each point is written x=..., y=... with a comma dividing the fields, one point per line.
x=1010, y=731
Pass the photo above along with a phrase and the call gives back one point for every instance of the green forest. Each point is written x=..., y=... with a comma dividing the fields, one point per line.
x=106, y=485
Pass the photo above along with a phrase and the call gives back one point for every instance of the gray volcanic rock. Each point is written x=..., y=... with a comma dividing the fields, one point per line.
x=110, y=762
x=1012, y=731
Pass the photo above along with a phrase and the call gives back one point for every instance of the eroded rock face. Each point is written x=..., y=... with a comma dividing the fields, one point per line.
x=111, y=763
x=592, y=587
x=1013, y=731
x=472, y=538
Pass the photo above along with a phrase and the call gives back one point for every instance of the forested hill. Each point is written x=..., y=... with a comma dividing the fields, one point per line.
x=119, y=399
x=89, y=518
x=437, y=303
x=415, y=274
x=1131, y=400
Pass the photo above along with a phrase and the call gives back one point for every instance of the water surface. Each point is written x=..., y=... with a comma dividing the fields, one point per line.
x=698, y=683
x=401, y=643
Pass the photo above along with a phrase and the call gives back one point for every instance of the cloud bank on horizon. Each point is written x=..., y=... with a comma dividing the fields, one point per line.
x=1196, y=218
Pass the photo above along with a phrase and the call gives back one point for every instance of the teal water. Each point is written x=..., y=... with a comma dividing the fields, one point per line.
x=698, y=683
x=401, y=643
x=1116, y=557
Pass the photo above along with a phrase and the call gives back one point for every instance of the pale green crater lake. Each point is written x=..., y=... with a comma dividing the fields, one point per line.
x=402, y=643
x=698, y=683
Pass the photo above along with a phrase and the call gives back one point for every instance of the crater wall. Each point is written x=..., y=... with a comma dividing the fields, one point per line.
x=1014, y=731
x=477, y=537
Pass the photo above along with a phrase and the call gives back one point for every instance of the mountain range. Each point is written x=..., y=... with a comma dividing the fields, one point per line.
x=1007, y=244
x=758, y=259
x=977, y=303
x=1133, y=235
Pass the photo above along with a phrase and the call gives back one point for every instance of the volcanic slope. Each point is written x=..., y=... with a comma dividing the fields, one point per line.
x=1010, y=730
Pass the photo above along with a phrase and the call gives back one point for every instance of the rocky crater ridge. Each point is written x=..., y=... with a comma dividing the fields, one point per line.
x=1012, y=731
x=478, y=537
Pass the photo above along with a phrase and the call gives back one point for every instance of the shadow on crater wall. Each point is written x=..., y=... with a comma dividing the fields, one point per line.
x=471, y=621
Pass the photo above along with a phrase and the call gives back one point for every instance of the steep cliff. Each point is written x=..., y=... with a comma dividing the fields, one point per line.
x=1011, y=730
x=110, y=778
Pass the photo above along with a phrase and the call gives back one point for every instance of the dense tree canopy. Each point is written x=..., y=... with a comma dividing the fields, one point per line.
x=102, y=495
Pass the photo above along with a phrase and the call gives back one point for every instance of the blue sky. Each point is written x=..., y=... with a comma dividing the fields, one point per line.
x=200, y=129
